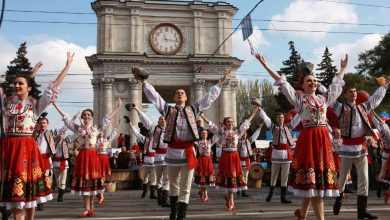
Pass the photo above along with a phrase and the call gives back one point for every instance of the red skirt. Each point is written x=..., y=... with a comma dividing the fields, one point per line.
x=336, y=159
x=204, y=172
x=105, y=166
x=87, y=176
x=230, y=176
x=313, y=171
x=23, y=174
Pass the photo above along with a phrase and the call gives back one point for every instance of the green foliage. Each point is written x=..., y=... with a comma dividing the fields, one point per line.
x=376, y=62
x=19, y=65
x=327, y=70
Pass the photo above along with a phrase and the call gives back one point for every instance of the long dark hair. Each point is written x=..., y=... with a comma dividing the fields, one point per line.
x=34, y=92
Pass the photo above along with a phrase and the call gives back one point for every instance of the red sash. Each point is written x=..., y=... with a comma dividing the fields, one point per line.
x=357, y=141
x=149, y=154
x=62, y=162
x=160, y=150
x=247, y=162
x=188, y=147
x=46, y=161
x=284, y=147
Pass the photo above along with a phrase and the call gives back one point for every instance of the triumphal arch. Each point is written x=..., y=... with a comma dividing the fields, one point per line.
x=171, y=40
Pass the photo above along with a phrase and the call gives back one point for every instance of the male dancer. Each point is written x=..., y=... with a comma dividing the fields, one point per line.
x=60, y=162
x=46, y=144
x=354, y=125
x=281, y=155
x=181, y=132
x=161, y=149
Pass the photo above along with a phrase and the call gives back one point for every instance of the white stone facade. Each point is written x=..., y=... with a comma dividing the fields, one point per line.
x=123, y=41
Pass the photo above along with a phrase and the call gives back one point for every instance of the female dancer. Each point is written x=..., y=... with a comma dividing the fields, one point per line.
x=101, y=146
x=230, y=175
x=22, y=166
x=87, y=177
x=313, y=170
x=204, y=172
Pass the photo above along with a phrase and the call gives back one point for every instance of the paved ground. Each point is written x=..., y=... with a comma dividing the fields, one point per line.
x=128, y=205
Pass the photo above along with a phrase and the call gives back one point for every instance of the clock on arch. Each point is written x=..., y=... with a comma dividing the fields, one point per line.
x=166, y=39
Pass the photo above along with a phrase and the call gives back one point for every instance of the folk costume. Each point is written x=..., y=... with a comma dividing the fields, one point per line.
x=101, y=146
x=313, y=171
x=204, y=172
x=148, y=162
x=162, y=182
x=60, y=163
x=281, y=155
x=181, y=132
x=24, y=172
x=246, y=155
x=354, y=125
x=230, y=177
x=87, y=177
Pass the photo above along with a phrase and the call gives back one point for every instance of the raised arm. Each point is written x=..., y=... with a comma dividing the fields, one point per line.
x=139, y=136
x=144, y=119
x=375, y=99
x=294, y=122
x=343, y=67
x=271, y=72
x=118, y=105
x=255, y=135
x=61, y=76
x=69, y=123
x=114, y=132
x=210, y=125
x=247, y=123
x=266, y=119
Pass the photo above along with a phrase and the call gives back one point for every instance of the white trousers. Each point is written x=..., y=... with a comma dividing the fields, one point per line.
x=284, y=168
x=60, y=177
x=162, y=177
x=180, y=180
x=150, y=175
x=361, y=165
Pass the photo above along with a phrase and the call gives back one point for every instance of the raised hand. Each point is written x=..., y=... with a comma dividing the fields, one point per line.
x=35, y=69
x=119, y=103
x=69, y=59
x=344, y=62
x=225, y=75
x=261, y=59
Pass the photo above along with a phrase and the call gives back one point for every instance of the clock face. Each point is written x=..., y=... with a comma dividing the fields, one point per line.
x=166, y=39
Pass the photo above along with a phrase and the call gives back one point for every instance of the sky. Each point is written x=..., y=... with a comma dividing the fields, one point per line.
x=344, y=26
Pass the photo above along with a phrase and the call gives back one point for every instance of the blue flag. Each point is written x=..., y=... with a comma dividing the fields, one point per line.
x=246, y=26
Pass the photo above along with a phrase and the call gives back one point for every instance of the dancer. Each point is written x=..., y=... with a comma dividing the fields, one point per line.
x=354, y=125
x=148, y=162
x=281, y=155
x=101, y=146
x=230, y=177
x=245, y=153
x=204, y=172
x=180, y=134
x=19, y=151
x=47, y=149
x=87, y=177
x=162, y=182
x=384, y=176
x=313, y=173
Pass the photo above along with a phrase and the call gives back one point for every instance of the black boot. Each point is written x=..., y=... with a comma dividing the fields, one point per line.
x=362, y=208
x=337, y=204
x=60, y=197
x=181, y=210
x=164, y=199
x=379, y=189
x=173, y=201
x=40, y=207
x=270, y=194
x=144, y=190
x=238, y=193
x=159, y=196
x=153, y=192
x=283, y=193
x=243, y=193
x=5, y=213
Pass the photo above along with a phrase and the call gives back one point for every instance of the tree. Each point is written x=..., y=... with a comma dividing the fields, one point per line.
x=19, y=65
x=376, y=62
x=327, y=70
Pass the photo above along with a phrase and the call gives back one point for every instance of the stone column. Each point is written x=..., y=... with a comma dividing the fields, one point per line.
x=96, y=99
x=136, y=98
x=108, y=83
x=199, y=88
x=233, y=99
x=224, y=102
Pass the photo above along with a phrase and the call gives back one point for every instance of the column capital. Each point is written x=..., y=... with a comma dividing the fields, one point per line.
x=108, y=82
x=95, y=83
x=134, y=84
x=199, y=83
x=234, y=84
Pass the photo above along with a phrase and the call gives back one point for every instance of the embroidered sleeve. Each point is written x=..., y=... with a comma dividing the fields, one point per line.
x=70, y=124
x=213, y=128
x=244, y=126
x=146, y=121
x=255, y=135
x=50, y=94
x=113, y=134
x=376, y=98
x=294, y=122
x=106, y=121
x=62, y=130
x=266, y=119
x=214, y=139
x=139, y=136
x=335, y=90
x=287, y=90
x=154, y=97
x=208, y=99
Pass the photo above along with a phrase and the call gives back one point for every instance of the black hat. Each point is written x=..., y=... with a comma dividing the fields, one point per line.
x=305, y=68
x=140, y=73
